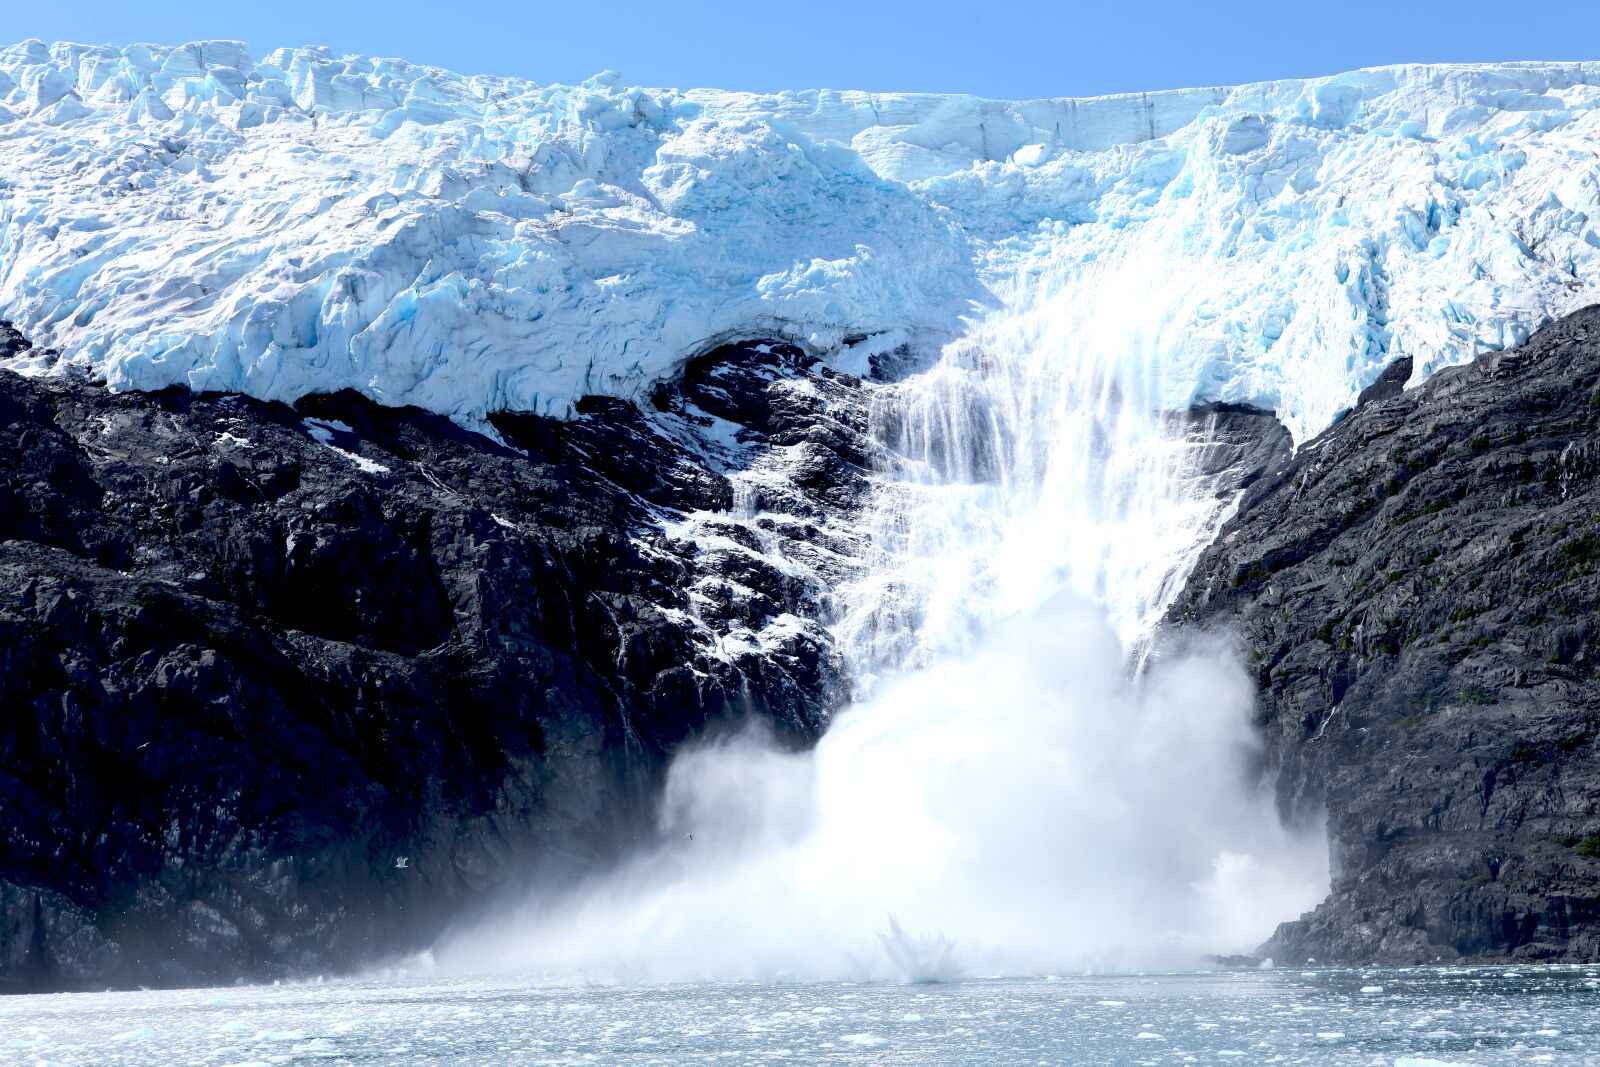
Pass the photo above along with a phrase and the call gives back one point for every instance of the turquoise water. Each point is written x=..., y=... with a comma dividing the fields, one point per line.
x=1324, y=1017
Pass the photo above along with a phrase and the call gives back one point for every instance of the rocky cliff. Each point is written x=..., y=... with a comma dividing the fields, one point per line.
x=1416, y=590
x=252, y=656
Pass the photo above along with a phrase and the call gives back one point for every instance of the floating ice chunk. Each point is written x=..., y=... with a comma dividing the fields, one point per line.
x=141, y=1034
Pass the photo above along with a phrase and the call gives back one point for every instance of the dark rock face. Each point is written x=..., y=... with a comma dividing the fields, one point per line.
x=250, y=655
x=1417, y=591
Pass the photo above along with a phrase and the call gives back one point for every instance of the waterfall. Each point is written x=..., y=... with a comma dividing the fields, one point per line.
x=1007, y=795
x=1033, y=458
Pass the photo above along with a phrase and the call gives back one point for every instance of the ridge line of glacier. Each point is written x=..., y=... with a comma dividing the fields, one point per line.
x=190, y=216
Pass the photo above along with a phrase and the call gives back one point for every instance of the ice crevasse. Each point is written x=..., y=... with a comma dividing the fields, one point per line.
x=308, y=223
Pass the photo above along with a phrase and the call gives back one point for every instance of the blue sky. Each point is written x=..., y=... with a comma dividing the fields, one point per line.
x=997, y=48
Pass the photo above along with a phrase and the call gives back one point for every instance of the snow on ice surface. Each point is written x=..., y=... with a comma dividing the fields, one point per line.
x=309, y=223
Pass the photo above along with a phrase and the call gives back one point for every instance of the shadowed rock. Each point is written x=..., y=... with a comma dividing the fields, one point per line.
x=1416, y=591
x=251, y=654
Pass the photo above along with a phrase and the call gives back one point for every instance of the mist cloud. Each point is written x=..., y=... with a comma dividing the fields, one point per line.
x=1025, y=809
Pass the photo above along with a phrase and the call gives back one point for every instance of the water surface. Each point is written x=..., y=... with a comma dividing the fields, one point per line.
x=1324, y=1017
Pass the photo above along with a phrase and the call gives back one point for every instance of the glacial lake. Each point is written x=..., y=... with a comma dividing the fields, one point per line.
x=1412, y=1017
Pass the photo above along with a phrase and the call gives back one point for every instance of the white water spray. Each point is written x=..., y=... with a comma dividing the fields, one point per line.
x=1035, y=458
x=1006, y=797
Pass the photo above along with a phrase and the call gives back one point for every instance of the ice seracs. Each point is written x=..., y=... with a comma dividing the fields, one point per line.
x=307, y=222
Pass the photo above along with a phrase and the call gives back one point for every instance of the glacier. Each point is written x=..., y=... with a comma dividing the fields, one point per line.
x=308, y=223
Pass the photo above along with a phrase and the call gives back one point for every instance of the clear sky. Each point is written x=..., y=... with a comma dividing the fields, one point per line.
x=996, y=48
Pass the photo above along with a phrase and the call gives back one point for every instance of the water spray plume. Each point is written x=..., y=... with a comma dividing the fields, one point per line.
x=1007, y=795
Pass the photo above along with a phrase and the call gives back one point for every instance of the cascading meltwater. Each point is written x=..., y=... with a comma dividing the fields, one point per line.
x=1006, y=796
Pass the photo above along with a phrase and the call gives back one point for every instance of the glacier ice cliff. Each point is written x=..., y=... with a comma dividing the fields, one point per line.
x=308, y=223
